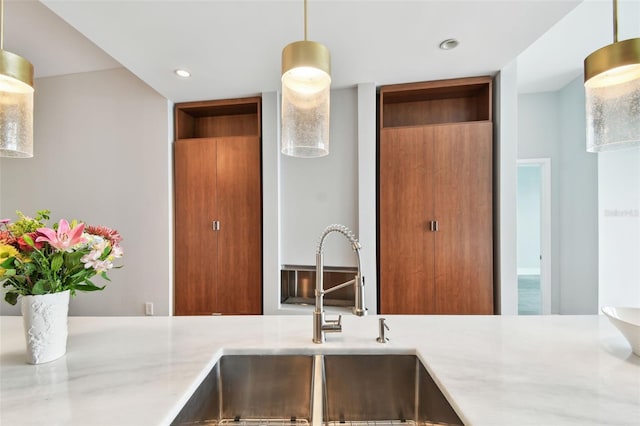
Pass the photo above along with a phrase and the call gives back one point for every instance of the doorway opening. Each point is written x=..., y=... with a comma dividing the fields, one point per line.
x=534, y=236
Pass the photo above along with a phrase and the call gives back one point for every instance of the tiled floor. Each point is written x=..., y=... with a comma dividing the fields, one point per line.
x=529, y=295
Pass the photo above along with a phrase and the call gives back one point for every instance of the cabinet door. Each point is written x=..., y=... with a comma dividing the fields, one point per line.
x=405, y=209
x=195, y=239
x=463, y=209
x=240, y=236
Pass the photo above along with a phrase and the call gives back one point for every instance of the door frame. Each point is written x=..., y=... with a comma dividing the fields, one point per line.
x=545, y=228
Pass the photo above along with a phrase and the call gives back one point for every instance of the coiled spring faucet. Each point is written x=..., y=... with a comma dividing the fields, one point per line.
x=320, y=325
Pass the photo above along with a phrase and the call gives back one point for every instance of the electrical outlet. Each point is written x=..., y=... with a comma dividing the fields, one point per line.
x=148, y=308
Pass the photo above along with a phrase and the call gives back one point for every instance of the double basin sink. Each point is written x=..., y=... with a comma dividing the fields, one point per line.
x=301, y=390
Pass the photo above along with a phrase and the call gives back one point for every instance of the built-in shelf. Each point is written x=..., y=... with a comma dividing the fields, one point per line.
x=233, y=117
x=436, y=102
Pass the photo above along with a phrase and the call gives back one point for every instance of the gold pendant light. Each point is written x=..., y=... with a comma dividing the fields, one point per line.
x=612, y=93
x=306, y=81
x=16, y=101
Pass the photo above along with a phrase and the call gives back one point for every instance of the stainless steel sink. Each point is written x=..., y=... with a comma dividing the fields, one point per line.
x=387, y=389
x=278, y=390
x=249, y=389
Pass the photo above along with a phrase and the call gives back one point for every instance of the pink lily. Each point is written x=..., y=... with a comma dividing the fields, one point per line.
x=65, y=238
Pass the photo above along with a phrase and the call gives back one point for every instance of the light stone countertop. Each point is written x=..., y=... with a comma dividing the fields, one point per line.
x=495, y=370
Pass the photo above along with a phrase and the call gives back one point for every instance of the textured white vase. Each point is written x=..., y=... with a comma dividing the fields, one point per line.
x=45, y=326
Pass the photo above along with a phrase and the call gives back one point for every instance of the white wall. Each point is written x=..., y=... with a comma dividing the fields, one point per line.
x=505, y=175
x=271, y=224
x=552, y=125
x=578, y=207
x=102, y=155
x=619, y=232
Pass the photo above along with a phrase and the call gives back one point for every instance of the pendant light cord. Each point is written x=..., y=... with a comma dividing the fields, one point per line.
x=1, y=24
x=615, y=21
x=305, y=20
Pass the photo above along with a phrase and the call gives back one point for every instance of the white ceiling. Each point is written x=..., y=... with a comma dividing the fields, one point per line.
x=233, y=48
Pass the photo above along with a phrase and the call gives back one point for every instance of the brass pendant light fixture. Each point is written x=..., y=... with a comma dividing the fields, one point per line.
x=16, y=101
x=306, y=81
x=612, y=92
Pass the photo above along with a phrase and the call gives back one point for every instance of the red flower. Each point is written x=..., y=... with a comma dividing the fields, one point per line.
x=107, y=233
x=26, y=247
x=7, y=238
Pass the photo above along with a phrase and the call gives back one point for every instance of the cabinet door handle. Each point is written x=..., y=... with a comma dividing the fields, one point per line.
x=437, y=226
x=216, y=225
x=432, y=225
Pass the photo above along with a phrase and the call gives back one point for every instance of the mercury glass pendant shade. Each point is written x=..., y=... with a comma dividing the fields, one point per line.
x=306, y=84
x=16, y=102
x=305, y=101
x=612, y=95
x=16, y=118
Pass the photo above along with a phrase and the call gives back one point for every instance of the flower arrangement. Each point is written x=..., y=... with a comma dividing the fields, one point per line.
x=35, y=259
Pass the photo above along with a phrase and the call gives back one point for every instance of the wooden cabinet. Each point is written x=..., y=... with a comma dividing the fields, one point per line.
x=435, y=198
x=218, y=208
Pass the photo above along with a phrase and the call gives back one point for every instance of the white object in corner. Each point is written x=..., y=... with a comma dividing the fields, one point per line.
x=627, y=320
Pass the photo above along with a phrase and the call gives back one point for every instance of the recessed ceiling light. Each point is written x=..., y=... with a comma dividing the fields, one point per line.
x=182, y=73
x=449, y=44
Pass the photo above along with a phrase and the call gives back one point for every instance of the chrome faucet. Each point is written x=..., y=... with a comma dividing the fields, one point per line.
x=320, y=325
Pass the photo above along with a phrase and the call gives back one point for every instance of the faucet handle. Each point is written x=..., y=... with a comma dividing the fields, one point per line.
x=337, y=322
x=332, y=326
x=381, y=337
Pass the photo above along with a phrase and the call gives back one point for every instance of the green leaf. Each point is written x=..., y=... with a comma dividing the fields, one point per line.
x=104, y=275
x=42, y=214
x=29, y=268
x=11, y=297
x=39, y=287
x=81, y=274
x=72, y=260
x=88, y=287
x=105, y=252
x=8, y=263
x=56, y=262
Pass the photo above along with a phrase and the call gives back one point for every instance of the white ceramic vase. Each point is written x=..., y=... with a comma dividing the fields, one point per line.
x=45, y=326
